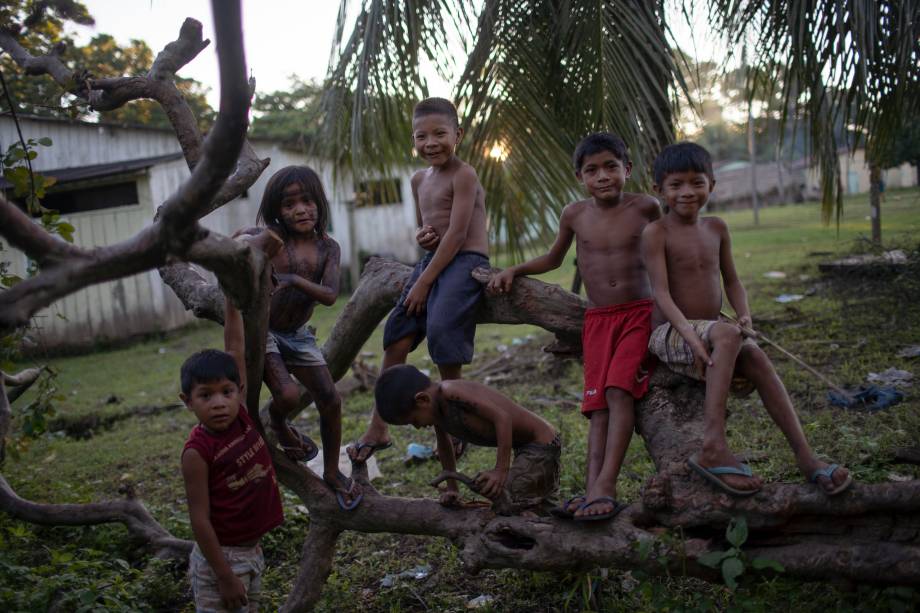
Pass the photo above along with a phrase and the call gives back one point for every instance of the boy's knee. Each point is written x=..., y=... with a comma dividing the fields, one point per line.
x=288, y=398
x=328, y=402
x=725, y=335
x=755, y=356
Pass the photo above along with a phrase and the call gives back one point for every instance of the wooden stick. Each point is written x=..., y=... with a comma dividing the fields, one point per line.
x=758, y=335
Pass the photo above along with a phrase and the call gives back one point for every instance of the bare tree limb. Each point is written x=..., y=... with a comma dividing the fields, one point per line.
x=19, y=383
x=315, y=566
x=30, y=238
x=129, y=512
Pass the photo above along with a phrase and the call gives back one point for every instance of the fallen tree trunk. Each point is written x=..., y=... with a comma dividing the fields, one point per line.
x=869, y=534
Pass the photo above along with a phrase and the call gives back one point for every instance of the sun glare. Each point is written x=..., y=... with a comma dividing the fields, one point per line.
x=498, y=152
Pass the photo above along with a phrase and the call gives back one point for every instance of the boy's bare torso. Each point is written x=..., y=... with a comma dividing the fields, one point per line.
x=692, y=253
x=291, y=308
x=435, y=200
x=457, y=416
x=607, y=248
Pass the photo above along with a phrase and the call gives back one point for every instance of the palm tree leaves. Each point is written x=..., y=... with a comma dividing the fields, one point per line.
x=375, y=78
x=851, y=63
x=541, y=75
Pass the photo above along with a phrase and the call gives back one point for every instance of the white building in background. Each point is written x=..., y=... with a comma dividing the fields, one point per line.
x=110, y=181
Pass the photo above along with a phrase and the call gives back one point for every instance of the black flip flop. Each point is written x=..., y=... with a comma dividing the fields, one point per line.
x=305, y=443
x=562, y=511
x=374, y=447
x=617, y=507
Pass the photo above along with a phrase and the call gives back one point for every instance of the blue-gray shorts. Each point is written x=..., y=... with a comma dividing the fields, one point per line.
x=297, y=348
x=448, y=318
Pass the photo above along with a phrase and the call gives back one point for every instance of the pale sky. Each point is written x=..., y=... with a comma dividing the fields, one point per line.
x=285, y=37
x=282, y=37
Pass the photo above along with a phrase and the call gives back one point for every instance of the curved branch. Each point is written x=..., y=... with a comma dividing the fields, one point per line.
x=129, y=512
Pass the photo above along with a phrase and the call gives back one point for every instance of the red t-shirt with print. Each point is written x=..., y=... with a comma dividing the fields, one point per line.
x=242, y=487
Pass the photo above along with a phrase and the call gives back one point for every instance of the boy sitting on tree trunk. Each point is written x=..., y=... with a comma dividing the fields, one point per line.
x=686, y=255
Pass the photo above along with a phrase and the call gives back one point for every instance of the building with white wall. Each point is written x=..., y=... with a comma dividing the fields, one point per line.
x=110, y=181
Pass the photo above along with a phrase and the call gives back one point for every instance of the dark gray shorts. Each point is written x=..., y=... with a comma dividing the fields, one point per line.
x=448, y=318
x=297, y=348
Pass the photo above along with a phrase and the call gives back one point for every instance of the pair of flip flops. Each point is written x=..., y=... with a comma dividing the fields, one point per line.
x=304, y=452
x=563, y=512
x=711, y=474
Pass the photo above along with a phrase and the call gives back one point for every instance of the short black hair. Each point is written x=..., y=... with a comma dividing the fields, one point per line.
x=207, y=366
x=395, y=392
x=682, y=157
x=437, y=106
x=304, y=176
x=597, y=142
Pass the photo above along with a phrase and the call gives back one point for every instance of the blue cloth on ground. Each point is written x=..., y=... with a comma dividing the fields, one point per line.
x=870, y=398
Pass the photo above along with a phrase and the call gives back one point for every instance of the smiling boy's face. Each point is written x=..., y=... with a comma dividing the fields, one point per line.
x=435, y=137
x=604, y=175
x=216, y=404
x=686, y=192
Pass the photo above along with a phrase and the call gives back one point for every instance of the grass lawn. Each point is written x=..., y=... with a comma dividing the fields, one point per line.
x=847, y=328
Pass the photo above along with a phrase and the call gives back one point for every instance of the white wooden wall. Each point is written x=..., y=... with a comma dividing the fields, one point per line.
x=142, y=303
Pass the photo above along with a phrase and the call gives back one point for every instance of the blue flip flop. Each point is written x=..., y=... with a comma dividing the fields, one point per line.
x=562, y=511
x=711, y=475
x=300, y=453
x=828, y=471
x=340, y=495
x=617, y=507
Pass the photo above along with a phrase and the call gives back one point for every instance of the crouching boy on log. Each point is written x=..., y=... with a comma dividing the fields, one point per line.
x=230, y=482
x=685, y=255
x=606, y=228
x=478, y=414
x=440, y=298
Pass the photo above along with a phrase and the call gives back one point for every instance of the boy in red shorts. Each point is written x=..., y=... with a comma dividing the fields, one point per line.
x=607, y=227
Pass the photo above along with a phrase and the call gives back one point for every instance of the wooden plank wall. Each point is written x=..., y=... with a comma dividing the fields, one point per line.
x=142, y=303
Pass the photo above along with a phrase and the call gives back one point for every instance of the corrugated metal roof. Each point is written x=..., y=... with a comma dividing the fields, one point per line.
x=98, y=171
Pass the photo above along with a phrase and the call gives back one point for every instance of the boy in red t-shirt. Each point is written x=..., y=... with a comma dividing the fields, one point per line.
x=230, y=482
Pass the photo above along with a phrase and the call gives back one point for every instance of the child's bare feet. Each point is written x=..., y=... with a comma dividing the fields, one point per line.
x=832, y=479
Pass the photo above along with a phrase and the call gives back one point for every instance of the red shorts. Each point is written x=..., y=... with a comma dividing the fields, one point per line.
x=615, y=343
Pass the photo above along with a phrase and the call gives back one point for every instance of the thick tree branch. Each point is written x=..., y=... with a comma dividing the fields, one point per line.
x=30, y=238
x=129, y=512
x=49, y=64
x=315, y=566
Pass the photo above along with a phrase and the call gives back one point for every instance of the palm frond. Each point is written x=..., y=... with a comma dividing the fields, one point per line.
x=540, y=76
x=850, y=63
